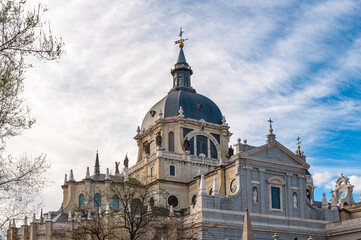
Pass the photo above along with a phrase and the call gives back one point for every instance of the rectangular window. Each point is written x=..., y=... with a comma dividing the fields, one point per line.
x=151, y=172
x=171, y=170
x=275, y=194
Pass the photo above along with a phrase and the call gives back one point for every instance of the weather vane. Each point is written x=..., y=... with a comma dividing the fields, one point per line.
x=181, y=40
x=298, y=140
x=270, y=122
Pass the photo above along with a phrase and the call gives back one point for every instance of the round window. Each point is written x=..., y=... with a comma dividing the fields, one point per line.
x=173, y=200
x=233, y=186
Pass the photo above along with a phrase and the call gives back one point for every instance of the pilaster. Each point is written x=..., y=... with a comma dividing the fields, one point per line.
x=302, y=204
x=262, y=191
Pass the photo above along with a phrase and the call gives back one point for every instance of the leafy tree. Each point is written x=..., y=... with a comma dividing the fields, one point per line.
x=22, y=34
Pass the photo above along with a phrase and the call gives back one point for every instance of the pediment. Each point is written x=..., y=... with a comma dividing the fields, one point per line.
x=277, y=153
x=276, y=180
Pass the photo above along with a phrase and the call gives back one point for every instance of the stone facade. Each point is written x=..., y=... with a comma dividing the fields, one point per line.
x=209, y=184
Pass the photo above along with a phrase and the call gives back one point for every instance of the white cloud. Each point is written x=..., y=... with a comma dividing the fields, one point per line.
x=322, y=178
x=356, y=181
x=259, y=57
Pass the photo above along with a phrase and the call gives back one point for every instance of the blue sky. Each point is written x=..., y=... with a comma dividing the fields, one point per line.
x=298, y=62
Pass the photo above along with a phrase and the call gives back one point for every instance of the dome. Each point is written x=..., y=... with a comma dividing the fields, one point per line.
x=195, y=106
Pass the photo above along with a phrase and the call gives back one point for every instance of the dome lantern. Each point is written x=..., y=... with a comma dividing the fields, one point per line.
x=182, y=71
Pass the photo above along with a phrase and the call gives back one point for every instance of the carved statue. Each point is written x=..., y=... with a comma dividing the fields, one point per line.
x=255, y=195
x=117, y=167
x=230, y=151
x=126, y=161
x=186, y=145
x=146, y=147
x=158, y=140
x=295, y=201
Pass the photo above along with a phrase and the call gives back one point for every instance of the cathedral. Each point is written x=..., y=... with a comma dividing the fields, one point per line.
x=184, y=150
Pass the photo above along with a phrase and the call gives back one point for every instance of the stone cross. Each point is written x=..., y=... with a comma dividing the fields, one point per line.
x=270, y=122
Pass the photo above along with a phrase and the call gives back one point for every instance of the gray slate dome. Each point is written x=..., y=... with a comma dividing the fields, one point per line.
x=194, y=105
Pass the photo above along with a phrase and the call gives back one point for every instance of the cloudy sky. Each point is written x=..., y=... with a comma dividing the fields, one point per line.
x=298, y=62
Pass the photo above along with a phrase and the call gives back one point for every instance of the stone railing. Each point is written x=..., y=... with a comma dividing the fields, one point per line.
x=171, y=155
x=188, y=157
x=204, y=160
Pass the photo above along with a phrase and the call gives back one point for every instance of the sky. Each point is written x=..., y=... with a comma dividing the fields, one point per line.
x=298, y=62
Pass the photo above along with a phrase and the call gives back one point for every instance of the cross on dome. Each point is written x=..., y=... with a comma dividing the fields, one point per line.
x=181, y=40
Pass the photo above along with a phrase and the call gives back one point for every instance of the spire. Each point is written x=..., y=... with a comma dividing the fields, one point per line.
x=247, y=227
x=97, y=166
x=41, y=215
x=333, y=202
x=202, y=186
x=107, y=177
x=324, y=201
x=215, y=187
x=182, y=71
x=87, y=175
x=71, y=176
x=181, y=58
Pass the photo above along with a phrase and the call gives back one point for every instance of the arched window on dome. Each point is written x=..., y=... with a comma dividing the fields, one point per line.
x=171, y=141
x=97, y=200
x=81, y=200
x=213, y=150
x=191, y=141
x=202, y=145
